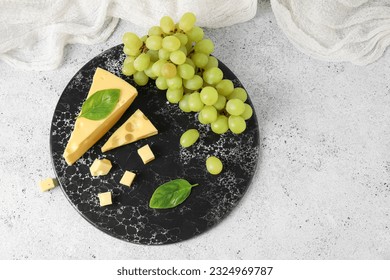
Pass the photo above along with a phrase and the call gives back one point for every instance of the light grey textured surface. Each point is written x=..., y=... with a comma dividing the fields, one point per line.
x=322, y=187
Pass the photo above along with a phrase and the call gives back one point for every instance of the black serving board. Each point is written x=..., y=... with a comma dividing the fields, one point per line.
x=129, y=218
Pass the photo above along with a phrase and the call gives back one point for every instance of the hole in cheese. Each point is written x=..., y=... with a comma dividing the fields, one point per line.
x=129, y=137
x=129, y=127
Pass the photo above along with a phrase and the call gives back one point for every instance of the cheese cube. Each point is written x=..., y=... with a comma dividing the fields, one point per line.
x=100, y=167
x=48, y=184
x=105, y=198
x=127, y=178
x=146, y=154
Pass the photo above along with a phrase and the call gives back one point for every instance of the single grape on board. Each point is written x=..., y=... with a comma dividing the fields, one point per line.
x=214, y=165
x=189, y=137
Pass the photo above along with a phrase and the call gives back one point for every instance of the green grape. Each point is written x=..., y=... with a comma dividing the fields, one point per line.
x=129, y=60
x=155, y=30
x=149, y=71
x=175, y=82
x=154, y=42
x=221, y=102
x=225, y=87
x=131, y=51
x=247, y=113
x=214, y=165
x=168, y=70
x=188, y=47
x=190, y=62
x=132, y=40
x=238, y=93
x=164, y=54
x=174, y=95
x=178, y=57
x=204, y=46
x=220, y=126
x=140, y=78
x=189, y=137
x=194, y=83
x=184, y=50
x=182, y=37
x=213, y=62
x=196, y=104
x=200, y=59
x=235, y=107
x=142, y=62
x=200, y=118
x=167, y=25
x=171, y=43
x=143, y=38
x=213, y=75
x=236, y=124
x=156, y=68
x=128, y=69
x=195, y=34
x=186, y=71
x=184, y=104
x=161, y=83
x=187, y=21
x=209, y=114
x=209, y=95
x=153, y=55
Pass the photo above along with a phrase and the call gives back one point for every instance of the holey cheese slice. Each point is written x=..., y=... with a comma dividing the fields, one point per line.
x=137, y=127
x=87, y=132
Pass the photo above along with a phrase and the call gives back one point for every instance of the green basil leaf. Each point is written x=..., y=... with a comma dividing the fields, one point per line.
x=100, y=104
x=170, y=194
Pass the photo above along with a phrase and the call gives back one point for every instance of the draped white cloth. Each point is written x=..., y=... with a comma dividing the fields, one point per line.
x=357, y=31
x=33, y=33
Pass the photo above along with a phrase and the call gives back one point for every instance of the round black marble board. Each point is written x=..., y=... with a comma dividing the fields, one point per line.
x=129, y=217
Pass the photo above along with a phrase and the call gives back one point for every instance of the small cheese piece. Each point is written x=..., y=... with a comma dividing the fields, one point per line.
x=127, y=178
x=87, y=132
x=146, y=154
x=48, y=184
x=100, y=167
x=137, y=127
x=105, y=198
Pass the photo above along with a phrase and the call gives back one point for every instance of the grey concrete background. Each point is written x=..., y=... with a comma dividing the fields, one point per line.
x=322, y=186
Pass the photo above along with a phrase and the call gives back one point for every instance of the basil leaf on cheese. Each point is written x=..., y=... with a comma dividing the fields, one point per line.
x=100, y=104
x=170, y=194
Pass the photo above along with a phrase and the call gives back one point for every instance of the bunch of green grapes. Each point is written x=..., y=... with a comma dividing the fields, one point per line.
x=178, y=58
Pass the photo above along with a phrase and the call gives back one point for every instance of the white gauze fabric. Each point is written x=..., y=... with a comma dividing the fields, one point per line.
x=33, y=33
x=336, y=30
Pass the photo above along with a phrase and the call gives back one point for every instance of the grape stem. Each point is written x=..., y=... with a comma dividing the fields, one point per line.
x=144, y=49
x=191, y=51
x=199, y=71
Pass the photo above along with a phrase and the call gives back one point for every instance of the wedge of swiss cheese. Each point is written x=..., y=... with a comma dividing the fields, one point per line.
x=87, y=132
x=137, y=127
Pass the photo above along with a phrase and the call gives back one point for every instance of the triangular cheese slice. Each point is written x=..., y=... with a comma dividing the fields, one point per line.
x=137, y=127
x=87, y=132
